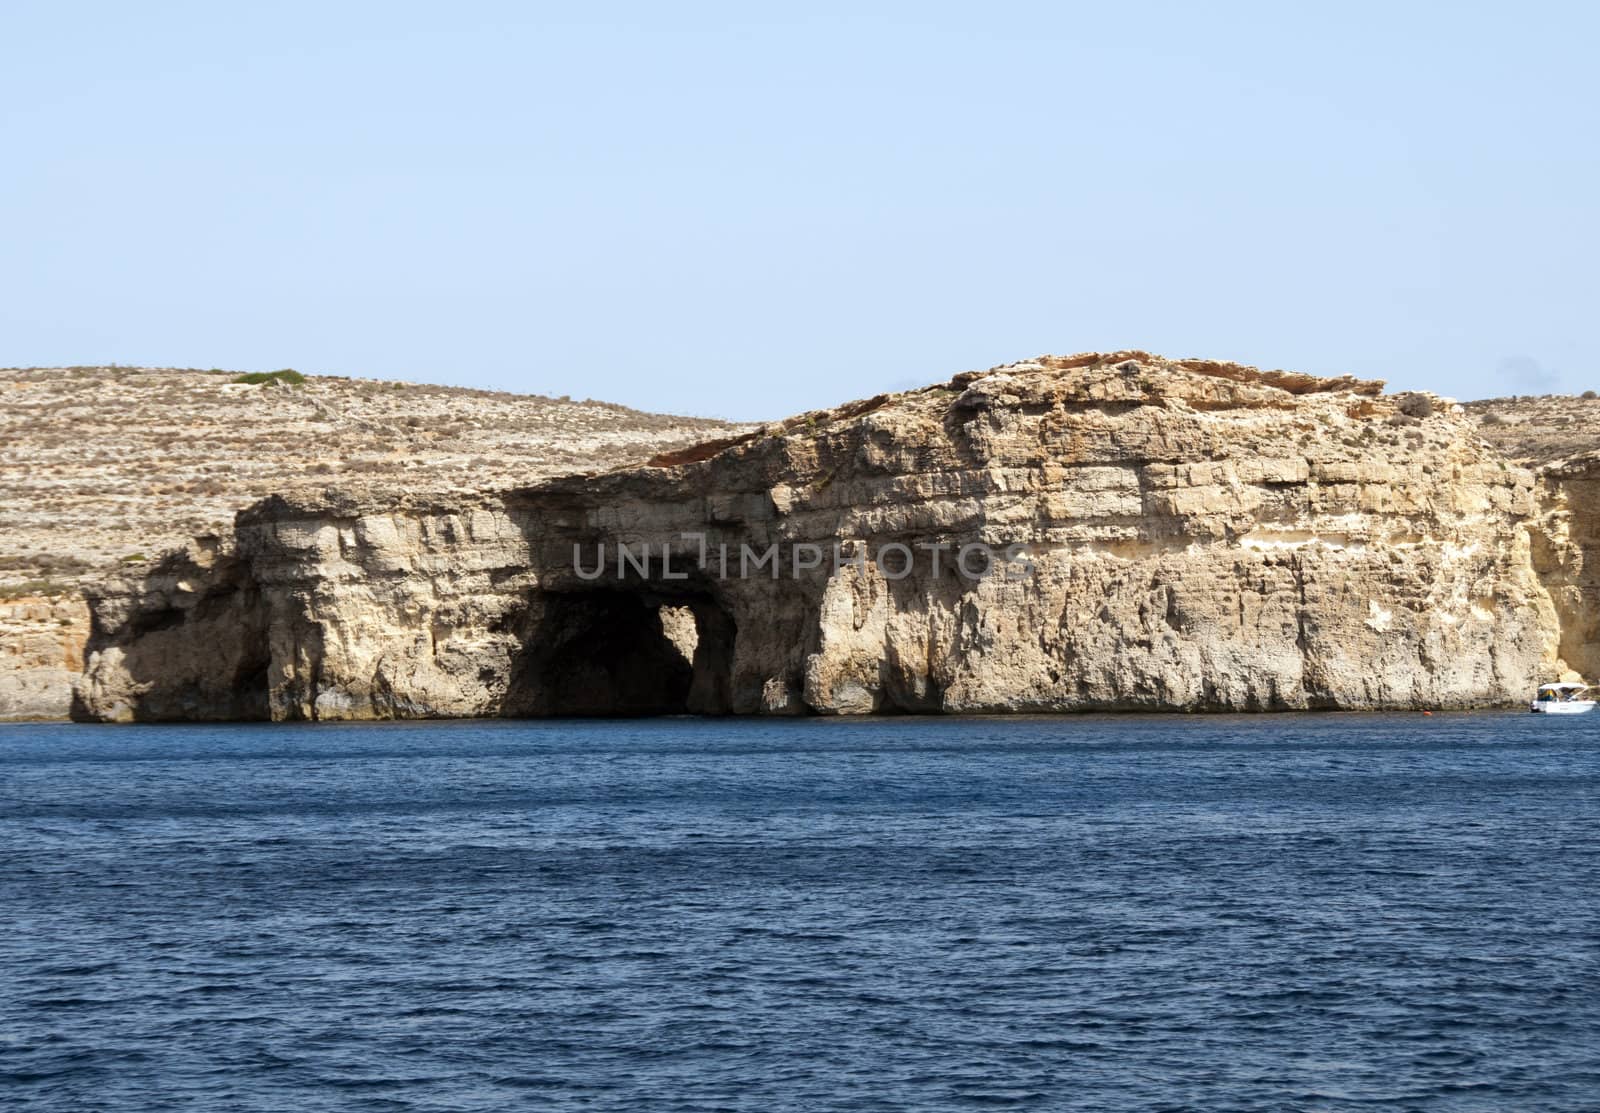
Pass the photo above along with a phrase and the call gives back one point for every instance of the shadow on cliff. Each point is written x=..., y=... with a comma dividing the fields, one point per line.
x=189, y=638
x=624, y=650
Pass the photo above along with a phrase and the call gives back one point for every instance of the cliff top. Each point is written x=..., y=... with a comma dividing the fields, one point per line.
x=105, y=467
x=1359, y=416
x=1527, y=430
x=1101, y=378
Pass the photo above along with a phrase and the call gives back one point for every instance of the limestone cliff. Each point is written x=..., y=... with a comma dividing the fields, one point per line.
x=1566, y=556
x=1100, y=531
x=41, y=653
x=103, y=467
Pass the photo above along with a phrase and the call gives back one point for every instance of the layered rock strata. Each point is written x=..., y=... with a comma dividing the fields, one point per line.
x=1070, y=533
x=102, y=468
x=1566, y=556
x=41, y=654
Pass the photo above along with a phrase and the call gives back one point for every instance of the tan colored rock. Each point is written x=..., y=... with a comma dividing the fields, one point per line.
x=102, y=469
x=1185, y=535
x=41, y=654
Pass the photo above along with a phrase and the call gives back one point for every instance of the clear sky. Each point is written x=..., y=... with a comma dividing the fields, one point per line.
x=747, y=210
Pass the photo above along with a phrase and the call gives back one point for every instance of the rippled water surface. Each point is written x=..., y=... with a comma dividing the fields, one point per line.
x=1131, y=913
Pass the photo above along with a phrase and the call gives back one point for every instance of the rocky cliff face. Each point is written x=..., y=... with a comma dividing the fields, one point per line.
x=1112, y=532
x=41, y=654
x=1566, y=557
x=102, y=468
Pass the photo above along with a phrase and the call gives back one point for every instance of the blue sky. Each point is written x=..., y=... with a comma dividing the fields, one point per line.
x=748, y=210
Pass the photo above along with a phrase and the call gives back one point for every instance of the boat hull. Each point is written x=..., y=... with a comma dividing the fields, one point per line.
x=1561, y=707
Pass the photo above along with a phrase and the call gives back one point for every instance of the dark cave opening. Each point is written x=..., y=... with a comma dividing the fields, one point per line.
x=626, y=654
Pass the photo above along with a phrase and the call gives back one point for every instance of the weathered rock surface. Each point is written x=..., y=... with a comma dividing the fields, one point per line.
x=1536, y=430
x=104, y=468
x=1165, y=534
x=1566, y=556
x=41, y=654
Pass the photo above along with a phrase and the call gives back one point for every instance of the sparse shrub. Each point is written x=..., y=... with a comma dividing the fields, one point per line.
x=1414, y=405
x=288, y=377
x=48, y=588
x=1589, y=396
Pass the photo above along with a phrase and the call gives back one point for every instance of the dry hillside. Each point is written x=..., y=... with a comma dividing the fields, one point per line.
x=107, y=465
x=1539, y=429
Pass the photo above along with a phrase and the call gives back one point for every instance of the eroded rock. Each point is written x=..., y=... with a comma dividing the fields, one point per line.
x=1186, y=535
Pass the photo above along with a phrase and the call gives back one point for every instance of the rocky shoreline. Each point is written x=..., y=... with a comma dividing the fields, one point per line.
x=104, y=469
x=1196, y=536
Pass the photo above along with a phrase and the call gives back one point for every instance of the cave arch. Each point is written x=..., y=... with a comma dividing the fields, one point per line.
x=623, y=652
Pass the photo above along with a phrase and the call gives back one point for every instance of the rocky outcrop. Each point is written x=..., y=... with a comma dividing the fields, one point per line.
x=1092, y=532
x=41, y=654
x=191, y=641
x=1566, y=556
x=105, y=467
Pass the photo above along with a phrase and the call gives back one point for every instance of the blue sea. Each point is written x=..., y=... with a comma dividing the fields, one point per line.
x=1277, y=912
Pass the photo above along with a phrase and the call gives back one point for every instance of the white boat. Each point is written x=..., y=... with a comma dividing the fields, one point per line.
x=1562, y=699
